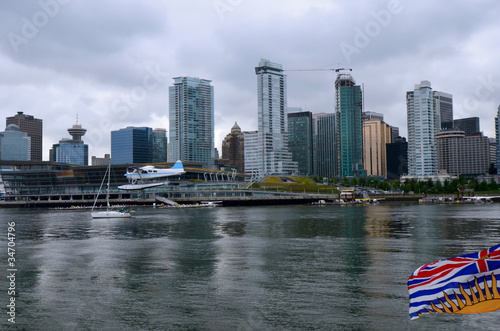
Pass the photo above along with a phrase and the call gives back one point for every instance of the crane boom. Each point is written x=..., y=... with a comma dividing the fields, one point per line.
x=327, y=69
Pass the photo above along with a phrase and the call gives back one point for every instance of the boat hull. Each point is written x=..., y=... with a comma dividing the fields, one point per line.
x=110, y=214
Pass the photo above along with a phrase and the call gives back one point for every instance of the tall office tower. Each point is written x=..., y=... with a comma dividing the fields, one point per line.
x=159, y=145
x=252, y=153
x=469, y=125
x=34, y=128
x=349, y=126
x=233, y=149
x=376, y=134
x=131, y=145
x=497, y=137
x=73, y=150
x=444, y=104
x=191, y=116
x=459, y=154
x=397, y=158
x=272, y=120
x=326, y=145
x=301, y=140
x=493, y=156
x=423, y=125
x=14, y=144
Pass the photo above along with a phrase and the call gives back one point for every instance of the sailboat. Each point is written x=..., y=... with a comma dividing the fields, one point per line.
x=109, y=213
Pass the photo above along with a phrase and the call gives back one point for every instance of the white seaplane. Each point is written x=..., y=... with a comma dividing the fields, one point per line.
x=149, y=176
x=481, y=199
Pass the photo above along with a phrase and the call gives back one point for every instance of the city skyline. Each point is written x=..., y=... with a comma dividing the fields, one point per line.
x=49, y=53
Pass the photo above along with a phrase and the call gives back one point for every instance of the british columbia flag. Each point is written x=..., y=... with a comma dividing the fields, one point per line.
x=462, y=284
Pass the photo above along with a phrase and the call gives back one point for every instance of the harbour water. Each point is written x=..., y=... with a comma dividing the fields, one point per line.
x=236, y=268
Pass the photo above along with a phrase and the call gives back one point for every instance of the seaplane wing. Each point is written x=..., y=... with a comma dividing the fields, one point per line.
x=139, y=186
x=149, y=176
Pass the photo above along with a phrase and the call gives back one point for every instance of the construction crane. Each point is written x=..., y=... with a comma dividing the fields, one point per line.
x=327, y=69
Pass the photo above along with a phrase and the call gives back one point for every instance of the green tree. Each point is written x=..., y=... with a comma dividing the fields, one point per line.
x=344, y=181
x=492, y=185
x=483, y=186
x=362, y=181
x=438, y=188
x=376, y=183
x=396, y=184
x=354, y=181
x=386, y=186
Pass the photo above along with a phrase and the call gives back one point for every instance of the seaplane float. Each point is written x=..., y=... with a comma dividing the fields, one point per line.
x=140, y=178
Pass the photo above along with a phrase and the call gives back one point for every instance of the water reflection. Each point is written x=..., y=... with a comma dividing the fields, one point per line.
x=300, y=267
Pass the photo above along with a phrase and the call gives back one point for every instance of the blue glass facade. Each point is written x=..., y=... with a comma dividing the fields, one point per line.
x=131, y=145
x=349, y=126
x=191, y=118
x=301, y=141
x=14, y=144
x=70, y=151
x=326, y=138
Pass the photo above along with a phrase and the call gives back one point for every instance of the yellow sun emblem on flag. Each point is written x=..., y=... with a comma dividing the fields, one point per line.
x=482, y=302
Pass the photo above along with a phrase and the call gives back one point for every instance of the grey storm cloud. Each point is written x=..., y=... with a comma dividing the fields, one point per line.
x=113, y=61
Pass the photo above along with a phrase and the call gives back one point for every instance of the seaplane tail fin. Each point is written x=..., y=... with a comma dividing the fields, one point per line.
x=178, y=165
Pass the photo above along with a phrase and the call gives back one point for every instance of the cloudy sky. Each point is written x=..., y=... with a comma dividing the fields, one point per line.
x=113, y=61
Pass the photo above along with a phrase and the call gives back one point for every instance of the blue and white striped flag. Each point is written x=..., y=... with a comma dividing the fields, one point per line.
x=459, y=285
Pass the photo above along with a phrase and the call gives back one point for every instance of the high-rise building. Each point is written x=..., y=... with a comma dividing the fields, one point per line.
x=397, y=158
x=301, y=140
x=34, y=128
x=131, y=145
x=233, y=149
x=493, y=156
x=272, y=120
x=191, y=117
x=376, y=134
x=73, y=150
x=423, y=124
x=469, y=125
x=252, y=153
x=497, y=137
x=326, y=145
x=459, y=154
x=14, y=144
x=349, y=126
x=159, y=145
x=444, y=104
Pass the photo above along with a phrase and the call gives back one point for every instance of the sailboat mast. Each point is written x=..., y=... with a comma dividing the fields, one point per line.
x=107, y=193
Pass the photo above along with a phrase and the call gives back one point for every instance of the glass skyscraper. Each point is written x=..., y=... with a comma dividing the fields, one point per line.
x=424, y=123
x=34, y=128
x=14, y=144
x=326, y=145
x=191, y=117
x=272, y=121
x=349, y=126
x=497, y=136
x=301, y=141
x=159, y=146
x=131, y=145
x=73, y=150
x=70, y=151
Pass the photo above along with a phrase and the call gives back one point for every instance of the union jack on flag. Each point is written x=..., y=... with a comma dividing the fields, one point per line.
x=459, y=285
